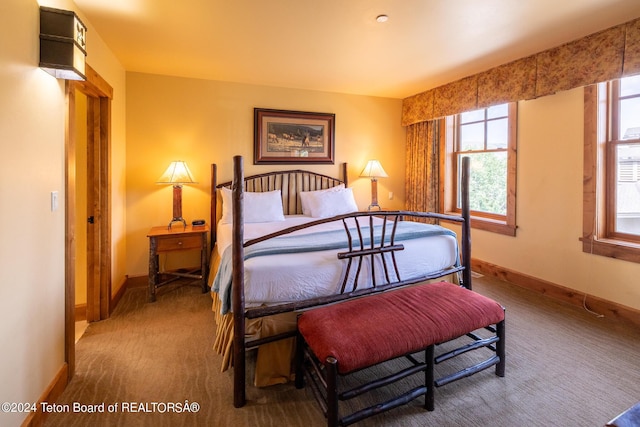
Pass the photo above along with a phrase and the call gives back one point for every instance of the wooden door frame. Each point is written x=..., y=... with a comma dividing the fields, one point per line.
x=99, y=95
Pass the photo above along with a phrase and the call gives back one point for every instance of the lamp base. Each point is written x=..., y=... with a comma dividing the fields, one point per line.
x=177, y=206
x=182, y=220
x=374, y=195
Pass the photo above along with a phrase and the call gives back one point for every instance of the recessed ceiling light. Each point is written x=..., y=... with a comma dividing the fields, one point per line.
x=382, y=18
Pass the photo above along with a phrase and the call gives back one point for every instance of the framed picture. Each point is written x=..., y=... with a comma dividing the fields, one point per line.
x=293, y=137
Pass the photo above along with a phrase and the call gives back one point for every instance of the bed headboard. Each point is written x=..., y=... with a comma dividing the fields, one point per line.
x=289, y=182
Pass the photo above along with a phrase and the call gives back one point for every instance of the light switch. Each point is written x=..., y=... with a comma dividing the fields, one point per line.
x=54, y=201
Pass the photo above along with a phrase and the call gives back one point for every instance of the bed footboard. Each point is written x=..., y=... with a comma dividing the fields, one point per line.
x=363, y=244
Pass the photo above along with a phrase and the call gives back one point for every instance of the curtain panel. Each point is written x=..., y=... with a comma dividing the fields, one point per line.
x=421, y=180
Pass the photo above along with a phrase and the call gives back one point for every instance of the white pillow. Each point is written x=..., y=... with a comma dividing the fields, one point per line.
x=258, y=207
x=306, y=197
x=331, y=203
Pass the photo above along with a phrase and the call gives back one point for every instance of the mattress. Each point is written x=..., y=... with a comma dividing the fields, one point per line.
x=287, y=277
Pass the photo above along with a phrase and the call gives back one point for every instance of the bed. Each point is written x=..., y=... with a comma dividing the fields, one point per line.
x=292, y=240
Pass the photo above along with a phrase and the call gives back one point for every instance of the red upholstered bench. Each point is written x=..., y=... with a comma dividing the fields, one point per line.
x=340, y=339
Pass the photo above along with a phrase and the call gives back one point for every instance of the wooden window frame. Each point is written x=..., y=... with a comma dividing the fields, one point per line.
x=600, y=141
x=502, y=224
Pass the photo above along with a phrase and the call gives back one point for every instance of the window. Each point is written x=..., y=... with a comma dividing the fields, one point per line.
x=488, y=137
x=611, y=225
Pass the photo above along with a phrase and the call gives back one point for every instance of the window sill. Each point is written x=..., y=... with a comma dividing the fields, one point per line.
x=617, y=249
x=494, y=226
x=491, y=225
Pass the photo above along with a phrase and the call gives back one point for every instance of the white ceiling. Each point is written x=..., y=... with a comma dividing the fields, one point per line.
x=337, y=45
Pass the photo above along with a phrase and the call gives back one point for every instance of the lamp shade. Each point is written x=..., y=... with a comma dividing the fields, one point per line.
x=177, y=173
x=373, y=169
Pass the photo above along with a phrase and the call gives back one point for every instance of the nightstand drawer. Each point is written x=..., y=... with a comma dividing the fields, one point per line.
x=177, y=243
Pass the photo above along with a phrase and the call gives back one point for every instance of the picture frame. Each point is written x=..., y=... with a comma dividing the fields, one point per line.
x=282, y=137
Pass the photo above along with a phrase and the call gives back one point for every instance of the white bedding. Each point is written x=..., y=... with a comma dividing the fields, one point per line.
x=297, y=276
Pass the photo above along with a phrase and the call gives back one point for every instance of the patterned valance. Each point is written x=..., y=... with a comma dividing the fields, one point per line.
x=595, y=58
x=453, y=97
x=515, y=80
x=632, y=49
x=418, y=106
x=599, y=57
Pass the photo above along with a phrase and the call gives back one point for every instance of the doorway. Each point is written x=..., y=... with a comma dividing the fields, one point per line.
x=97, y=214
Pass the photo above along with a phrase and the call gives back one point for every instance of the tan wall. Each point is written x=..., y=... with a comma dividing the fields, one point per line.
x=204, y=122
x=32, y=242
x=32, y=258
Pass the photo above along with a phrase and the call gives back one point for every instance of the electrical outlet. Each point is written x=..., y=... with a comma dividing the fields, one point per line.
x=390, y=195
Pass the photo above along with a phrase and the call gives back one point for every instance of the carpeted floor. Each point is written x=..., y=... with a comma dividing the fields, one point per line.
x=565, y=367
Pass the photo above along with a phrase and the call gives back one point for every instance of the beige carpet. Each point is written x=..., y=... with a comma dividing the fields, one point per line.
x=565, y=367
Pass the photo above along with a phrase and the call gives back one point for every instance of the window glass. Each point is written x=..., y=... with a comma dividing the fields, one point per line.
x=484, y=137
x=630, y=86
x=501, y=110
x=498, y=133
x=472, y=136
x=627, y=215
x=626, y=153
x=630, y=118
x=472, y=116
x=487, y=182
x=611, y=225
x=488, y=137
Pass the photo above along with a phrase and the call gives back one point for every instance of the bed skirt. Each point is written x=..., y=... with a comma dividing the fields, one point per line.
x=274, y=360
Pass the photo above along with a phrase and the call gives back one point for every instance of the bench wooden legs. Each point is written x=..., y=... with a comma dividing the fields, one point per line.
x=429, y=399
x=338, y=344
x=332, y=391
x=325, y=382
x=495, y=343
x=501, y=349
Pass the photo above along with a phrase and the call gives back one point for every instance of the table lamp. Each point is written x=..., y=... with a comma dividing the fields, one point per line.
x=374, y=170
x=177, y=174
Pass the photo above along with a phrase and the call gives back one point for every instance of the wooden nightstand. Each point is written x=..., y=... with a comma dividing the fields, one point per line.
x=164, y=240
